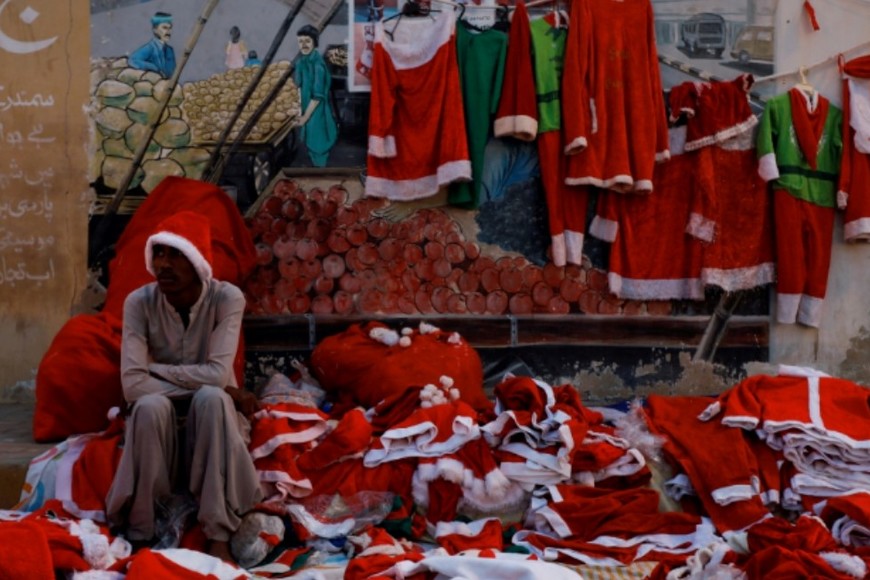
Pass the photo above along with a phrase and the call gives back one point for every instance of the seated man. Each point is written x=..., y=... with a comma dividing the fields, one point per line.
x=179, y=340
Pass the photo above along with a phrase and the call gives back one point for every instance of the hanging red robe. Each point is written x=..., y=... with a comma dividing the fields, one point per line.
x=417, y=137
x=854, y=193
x=615, y=124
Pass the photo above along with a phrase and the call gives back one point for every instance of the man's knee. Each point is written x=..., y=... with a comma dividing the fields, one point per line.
x=152, y=409
x=152, y=418
x=209, y=399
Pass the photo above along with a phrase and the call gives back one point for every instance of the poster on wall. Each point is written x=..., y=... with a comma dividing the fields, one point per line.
x=362, y=17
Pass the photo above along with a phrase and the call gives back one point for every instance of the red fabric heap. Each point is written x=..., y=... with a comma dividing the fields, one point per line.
x=357, y=370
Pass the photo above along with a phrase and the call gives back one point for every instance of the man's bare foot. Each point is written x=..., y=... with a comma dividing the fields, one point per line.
x=220, y=550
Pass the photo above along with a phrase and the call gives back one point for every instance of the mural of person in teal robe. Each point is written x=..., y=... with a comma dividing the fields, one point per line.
x=318, y=129
x=156, y=55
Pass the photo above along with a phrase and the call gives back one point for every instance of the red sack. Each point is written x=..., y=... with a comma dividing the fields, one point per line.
x=78, y=379
x=358, y=370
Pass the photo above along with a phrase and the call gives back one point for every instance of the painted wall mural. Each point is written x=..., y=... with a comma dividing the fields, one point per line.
x=323, y=247
x=718, y=39
x=312, y=122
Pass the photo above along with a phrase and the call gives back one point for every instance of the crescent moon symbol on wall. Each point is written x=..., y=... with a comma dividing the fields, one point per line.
x=14, y=46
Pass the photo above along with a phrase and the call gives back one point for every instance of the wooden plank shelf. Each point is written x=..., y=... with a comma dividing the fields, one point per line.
x=303, y=332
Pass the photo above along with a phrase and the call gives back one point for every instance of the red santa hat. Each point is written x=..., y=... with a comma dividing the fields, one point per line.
x=350, y=438
x=181, y=564
x=189, y=233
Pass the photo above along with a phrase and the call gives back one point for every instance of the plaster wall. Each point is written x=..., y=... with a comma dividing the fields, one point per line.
x=44, y=194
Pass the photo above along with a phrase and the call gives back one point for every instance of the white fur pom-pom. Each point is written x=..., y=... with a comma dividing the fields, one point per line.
x=384, y=335
x=455, y=338
x=113, y=413
x=846, y=563
x=446, y=381
x=426, y=328
x=454, y=394
x=407, y=330
x=426, y=404
x=633, y=428
x=405, y=341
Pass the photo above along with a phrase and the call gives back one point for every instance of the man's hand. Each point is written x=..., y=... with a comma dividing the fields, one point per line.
x=245, y=402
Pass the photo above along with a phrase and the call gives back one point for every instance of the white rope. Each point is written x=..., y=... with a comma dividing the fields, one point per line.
x=796, y=73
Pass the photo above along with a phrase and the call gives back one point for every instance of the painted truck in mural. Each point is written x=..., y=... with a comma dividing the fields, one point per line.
x=754, y=43
x=704, y=33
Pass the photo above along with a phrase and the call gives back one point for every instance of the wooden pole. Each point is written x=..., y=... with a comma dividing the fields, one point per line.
x=252, y=86
x=218, y=169
x=717, y=325
x=115, y=202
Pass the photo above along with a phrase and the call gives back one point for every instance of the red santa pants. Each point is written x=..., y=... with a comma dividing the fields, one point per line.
x=804, y=233
x=566, y=204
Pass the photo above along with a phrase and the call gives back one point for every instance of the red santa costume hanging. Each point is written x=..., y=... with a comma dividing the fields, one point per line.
x=799, y=150
x=652, y=257
x=530, y=109
x=615, y=124
x=417, y=137
x=733, y=218
x=854, y=193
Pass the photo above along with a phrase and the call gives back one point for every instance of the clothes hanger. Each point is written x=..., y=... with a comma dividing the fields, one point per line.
x=412, y=9
x=500, y=15
x=804, y=85
x=560, y=17
x=502, y=18
x=534, y=3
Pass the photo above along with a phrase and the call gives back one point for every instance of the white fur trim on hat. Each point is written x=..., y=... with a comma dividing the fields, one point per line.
x=183, y=245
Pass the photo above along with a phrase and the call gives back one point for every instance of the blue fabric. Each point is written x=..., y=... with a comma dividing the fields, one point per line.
x=314, y=81
x=154, y=56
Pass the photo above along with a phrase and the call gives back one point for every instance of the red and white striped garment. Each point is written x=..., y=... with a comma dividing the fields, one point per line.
x=820, y=423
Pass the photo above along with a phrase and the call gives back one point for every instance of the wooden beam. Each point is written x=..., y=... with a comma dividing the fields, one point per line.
x=303, y=332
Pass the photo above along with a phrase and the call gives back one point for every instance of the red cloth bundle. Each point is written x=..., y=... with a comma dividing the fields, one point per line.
x=358, y=370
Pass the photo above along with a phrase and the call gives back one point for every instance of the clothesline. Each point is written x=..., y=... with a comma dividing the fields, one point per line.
x=807, y=68
x=466, y=6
